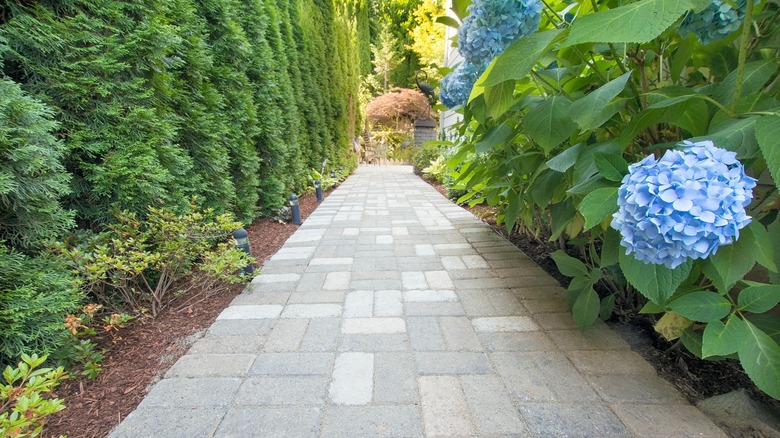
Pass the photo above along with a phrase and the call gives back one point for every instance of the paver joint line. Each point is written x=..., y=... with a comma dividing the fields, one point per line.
x=393, y=312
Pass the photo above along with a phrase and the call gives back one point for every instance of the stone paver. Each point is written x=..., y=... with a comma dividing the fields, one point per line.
x=393, y=312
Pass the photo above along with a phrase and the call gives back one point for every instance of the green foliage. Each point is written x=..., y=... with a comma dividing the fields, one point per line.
x=554, y=122
x=36, y=295
x=156, y=101
x=141, y=265
x=32, y=177
x=25, y=399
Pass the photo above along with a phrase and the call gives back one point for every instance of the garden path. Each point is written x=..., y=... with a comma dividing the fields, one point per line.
x=393, y=312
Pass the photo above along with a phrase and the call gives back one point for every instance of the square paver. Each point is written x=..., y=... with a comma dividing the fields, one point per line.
x=282, y=422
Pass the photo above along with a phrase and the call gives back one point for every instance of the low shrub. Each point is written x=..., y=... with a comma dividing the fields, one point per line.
x=24, y=404
x=141, y=265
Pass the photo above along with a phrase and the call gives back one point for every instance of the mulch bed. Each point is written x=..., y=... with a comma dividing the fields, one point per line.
x=149, y=347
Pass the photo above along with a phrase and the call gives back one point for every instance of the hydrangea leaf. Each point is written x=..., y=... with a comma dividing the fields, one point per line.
x=459, y=7
x=759, y=299
x=702, y=306
x=656, y=282
x=543, y=187
x=518, y=59
x=587, y=110
x=768, y=136
x=769, y=324
x=613, y=167
x=760, y=357
x=563, y=161
x=568, y=265
x=494, y=137
x=628, y=24
x=692, y=340
x=737, y=135
x=550, y=123
x=499, y=98
x=562, y=213
x=597, y=205
x=764, y=249
x=757, y=73
x=586, y=308
x=721, y=339
x=730, y=263
x=512, y=213
x=651, y=307
x=610, y=247
x=607, y=306
x=685, y=111
x=672, y=325
x=448, y=21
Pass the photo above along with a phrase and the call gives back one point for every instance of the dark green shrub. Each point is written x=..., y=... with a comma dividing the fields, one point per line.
x=32, y=177
x=36, y=294
x=427, y=153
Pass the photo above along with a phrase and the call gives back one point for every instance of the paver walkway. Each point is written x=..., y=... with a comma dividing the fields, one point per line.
x=393, y=312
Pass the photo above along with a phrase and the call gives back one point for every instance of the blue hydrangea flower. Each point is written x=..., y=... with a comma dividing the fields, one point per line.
x=456, y=86
x=716, y=21
x=492, y=25
x=685, y=204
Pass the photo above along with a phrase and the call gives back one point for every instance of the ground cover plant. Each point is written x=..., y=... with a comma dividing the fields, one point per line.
x=642, y=139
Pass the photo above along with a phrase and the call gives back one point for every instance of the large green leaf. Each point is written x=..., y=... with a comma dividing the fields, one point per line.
x=550, y=123
x=561, y=214
x=737, y=135
x=768, y=136
x=499, y=98
x=730, y=263
x=494, y=137
x=721, y=339
x=563, y=161
x=686, y=111
x=448, y=21
x=543, y=187
x=586, y=309
x=764, y=249
x=767, y=323
x=512, y=212
x=702, y=306
x=639, y=22
x=656, y=282
x=756, y=74
x=610, y=247
x=611, y=166
x=759, y=299
x=460, y=7
x=597, y=205
x=760, y=357
x=518, y=59
x=568, y=265
x=586, y=111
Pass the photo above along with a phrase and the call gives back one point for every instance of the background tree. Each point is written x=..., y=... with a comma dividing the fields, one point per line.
x=385, y=59
x=428, y=37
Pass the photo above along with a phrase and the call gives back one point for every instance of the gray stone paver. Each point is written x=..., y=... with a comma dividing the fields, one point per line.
x=393, y=312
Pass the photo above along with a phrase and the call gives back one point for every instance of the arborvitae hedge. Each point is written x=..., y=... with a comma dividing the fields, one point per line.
x=112, y=105
x=158, y=100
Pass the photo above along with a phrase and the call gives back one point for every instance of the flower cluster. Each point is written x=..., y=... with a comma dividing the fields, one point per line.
x=715, y=22
x=492, y=25
x=456, y=86
x=685, y=204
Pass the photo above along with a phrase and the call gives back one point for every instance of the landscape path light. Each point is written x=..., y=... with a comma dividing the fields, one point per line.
x=295, y=209
x=318, y=189
x=242, y=243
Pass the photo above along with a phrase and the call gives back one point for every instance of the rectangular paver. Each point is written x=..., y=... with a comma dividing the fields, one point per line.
x=353, y=379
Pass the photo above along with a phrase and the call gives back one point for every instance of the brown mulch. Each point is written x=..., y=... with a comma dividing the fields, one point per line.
x=149, y=347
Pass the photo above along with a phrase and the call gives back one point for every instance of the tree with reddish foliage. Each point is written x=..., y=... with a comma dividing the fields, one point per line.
x=397, y=109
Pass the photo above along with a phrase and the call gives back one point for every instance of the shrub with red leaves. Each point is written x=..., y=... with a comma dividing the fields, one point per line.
x=397, y=109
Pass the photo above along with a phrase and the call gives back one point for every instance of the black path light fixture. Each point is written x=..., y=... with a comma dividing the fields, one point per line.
x=242, y=243
x=318, y=189
x=295, y=209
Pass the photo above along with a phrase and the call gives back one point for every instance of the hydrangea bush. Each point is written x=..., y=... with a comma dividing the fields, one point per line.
x=675, y=234
x=715, y=22
x=685, y=204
